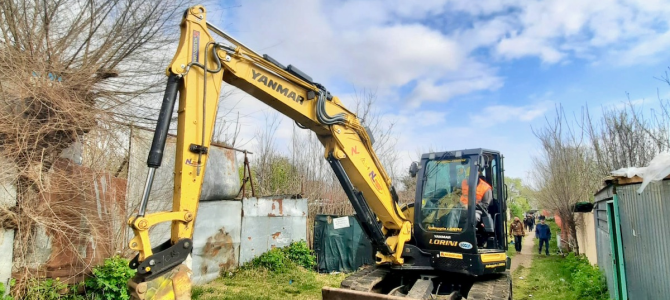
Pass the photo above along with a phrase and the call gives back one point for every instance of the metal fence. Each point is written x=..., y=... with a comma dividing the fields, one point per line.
x=603, y=246
x=632, y=246
x=645, y=220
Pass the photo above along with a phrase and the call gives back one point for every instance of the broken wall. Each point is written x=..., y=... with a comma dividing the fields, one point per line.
x=271, y=222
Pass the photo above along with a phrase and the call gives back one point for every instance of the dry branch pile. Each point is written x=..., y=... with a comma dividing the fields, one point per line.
x=68, y=68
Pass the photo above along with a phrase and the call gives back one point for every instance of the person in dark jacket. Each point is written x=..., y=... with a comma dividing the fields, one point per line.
x=543, y=232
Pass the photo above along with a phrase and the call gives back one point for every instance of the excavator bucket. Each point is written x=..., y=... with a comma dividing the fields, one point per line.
x=329, y=293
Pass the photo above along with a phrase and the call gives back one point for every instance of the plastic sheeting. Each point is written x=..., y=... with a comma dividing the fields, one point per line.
x=340, y=244
x=658, y=169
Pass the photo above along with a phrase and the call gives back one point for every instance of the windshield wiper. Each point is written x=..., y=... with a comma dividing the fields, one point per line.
x=426, y=174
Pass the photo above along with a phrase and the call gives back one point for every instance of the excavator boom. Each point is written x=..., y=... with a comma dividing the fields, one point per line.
x=195, y=76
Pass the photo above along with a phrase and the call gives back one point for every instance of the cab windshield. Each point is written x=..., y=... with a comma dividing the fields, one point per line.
x=441, y=206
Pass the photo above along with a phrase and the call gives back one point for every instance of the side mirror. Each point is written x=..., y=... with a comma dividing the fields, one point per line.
x=413, y=169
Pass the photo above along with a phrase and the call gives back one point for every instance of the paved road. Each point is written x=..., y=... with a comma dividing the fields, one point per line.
x=526, y=255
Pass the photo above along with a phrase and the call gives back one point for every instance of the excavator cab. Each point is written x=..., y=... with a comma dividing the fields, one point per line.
x=454, y=216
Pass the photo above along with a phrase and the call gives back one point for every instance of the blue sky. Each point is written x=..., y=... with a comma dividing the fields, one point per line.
x=460, y=74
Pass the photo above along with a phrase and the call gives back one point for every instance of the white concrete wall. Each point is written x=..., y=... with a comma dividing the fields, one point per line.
x=586, y=237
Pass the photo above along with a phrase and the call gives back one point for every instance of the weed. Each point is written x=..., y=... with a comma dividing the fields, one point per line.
x=274, y=260
x=299, y=253
x=556, y=277
x=198, y=291
x=47, y=289
x=587, y=280
x=259, y=283
x=282, y=259
x=110, y=280
x=4, y=290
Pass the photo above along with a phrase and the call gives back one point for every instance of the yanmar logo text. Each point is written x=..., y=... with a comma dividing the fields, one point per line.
x=277, y=87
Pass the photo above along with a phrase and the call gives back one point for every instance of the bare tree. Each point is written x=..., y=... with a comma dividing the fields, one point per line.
x=66, y=67
x=566, y=171
x=626, y=137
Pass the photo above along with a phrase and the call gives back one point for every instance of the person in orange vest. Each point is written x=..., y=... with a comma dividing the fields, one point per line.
x=484, y=193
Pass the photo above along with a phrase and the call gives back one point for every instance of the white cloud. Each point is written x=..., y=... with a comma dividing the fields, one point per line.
x=554, y=30
x=497, y=114
x=360, y=42
x=390, y=46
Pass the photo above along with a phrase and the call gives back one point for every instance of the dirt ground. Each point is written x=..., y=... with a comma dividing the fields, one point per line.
x=526, y=256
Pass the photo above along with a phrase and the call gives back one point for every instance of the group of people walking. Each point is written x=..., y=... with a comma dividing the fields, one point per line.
x=542, y=232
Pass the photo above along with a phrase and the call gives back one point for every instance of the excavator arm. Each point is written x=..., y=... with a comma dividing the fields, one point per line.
x=195, y=74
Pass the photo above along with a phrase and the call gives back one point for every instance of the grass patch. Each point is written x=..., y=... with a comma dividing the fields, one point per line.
x=511, y=251
x=281, y=273
x=293, y=283
x=557, y=277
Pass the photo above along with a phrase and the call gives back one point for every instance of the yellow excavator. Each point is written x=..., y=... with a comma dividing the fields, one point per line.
x=448, y=243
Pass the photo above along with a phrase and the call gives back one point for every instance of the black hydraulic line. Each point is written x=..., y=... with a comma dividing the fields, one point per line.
x=364, y=214
x=163, y=125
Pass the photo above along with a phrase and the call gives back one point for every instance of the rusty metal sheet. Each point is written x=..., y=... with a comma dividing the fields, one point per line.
x=269, y=223
x=216, y=239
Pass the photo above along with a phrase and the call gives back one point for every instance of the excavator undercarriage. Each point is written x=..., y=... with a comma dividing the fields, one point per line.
x=379, y=283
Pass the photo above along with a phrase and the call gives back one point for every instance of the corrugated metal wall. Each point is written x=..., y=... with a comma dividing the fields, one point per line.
x=603, y=244
x=269, y=223
x=645, y=221
x=216, y=239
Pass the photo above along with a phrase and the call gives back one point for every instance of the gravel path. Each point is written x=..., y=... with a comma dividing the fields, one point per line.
x=526, y=256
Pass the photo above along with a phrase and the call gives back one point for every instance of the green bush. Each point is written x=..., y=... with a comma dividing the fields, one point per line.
x=47, y=289
x=282, y=259
x=4, y=290
x=274, y=260
x=109, y=281
x=587, y=280
x=299, y=253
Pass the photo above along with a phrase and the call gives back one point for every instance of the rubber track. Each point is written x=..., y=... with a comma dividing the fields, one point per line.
x=365, y=279
x=493, y=289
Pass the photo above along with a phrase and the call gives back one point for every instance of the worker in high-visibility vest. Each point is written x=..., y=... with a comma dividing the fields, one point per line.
x=484, y=194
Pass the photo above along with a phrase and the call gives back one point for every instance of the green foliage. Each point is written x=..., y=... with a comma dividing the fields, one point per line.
x=4, y=290
x=110, y=279
x=557, y=277
x=299, y=253
x=283, y=259
x=516, y=211
x=587, y=280
x=248, y=284
x=282, y=173
x=518, y=197
x=109, y=282
x=198, y=291
x=274, y=260
x=47, y=289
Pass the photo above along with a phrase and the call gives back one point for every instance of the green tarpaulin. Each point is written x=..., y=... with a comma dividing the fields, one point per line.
x=340, y=244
